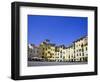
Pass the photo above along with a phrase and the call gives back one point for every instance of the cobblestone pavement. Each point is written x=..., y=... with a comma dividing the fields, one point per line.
x=36, y=63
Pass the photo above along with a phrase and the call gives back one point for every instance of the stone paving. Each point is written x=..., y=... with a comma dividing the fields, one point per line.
x=37, y=63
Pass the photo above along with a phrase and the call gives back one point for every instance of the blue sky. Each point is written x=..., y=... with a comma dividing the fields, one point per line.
x=58, y=29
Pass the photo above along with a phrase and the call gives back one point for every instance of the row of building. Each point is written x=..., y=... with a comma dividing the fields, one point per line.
x=48, y=51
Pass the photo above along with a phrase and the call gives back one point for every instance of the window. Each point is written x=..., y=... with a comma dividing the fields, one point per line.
x=46, y=48
x=83, y=54
x=49, y=52
x=31, y=51
x=79, y=49
x=37, y=51
x=43, y=53
x=86, y=48
x=72, y=56
x=82, y=45
x=63, y=57
x=42, y=56
x=60, y=51
x=80, y=54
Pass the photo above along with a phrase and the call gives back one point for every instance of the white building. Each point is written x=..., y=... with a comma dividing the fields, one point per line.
x=81, y=49
x=33, y=52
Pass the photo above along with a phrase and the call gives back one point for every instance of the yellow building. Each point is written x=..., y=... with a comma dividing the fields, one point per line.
x=48, y=50
x=52, y=52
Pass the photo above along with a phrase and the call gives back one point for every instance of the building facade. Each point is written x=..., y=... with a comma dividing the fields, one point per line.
x=48, y=50
x=76, y=52
x=34, y=52
x=81, y=46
